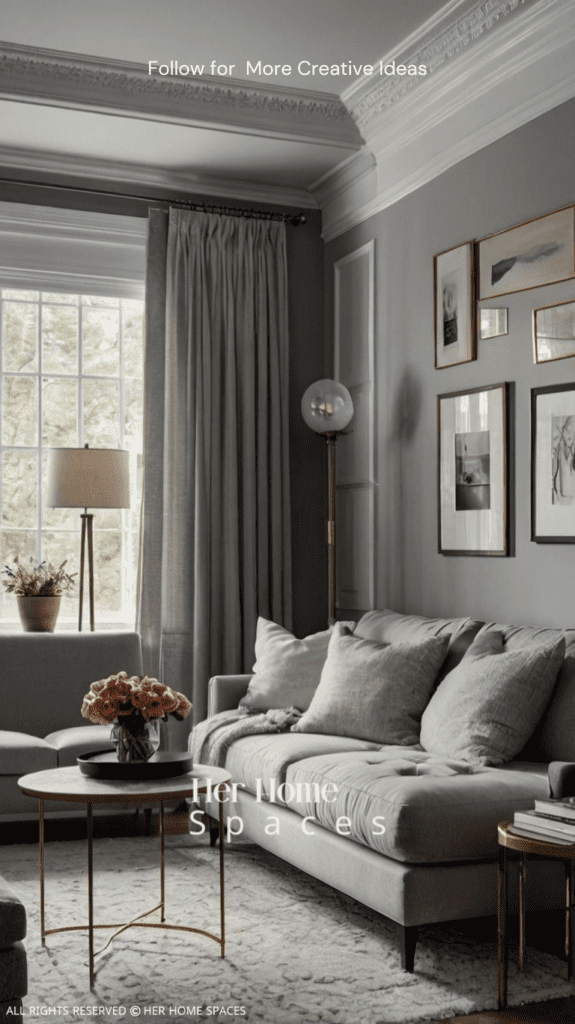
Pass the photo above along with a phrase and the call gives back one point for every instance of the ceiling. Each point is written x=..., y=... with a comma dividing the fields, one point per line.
x=60, y=112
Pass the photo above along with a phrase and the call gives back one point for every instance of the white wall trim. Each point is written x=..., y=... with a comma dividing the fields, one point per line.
x=501, y=81
x=63, y=250
x=137, y=175
x=369, y=484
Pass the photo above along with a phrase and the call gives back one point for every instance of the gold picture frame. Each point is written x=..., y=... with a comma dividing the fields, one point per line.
x=538, y=252
x=454, y=306
x=554, y=331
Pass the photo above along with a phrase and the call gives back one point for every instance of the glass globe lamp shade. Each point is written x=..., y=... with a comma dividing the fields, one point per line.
x=327, y=406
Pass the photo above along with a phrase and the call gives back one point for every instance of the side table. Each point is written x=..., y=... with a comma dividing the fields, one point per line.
x=541, y=848
x=69, y=784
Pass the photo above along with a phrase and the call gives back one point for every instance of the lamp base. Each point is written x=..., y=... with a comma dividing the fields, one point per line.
x=87, y=533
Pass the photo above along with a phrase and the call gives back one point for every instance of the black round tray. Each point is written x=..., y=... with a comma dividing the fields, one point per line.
x=104, y=764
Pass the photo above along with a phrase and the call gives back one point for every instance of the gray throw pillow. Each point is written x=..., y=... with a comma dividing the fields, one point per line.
x=287, y=670
x=485, y=710
x=374, y=691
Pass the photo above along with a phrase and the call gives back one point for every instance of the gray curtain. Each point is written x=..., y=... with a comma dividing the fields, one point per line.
x=215, y=549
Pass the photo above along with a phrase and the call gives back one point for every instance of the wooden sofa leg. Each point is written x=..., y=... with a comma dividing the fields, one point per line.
x=408, y=940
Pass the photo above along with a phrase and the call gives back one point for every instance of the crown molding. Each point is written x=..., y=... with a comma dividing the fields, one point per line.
x=81, y=82
x=485, y=89
x=140, y=176
x=64, y=223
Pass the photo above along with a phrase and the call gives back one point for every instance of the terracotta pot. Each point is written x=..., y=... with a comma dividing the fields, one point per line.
x=38, y=614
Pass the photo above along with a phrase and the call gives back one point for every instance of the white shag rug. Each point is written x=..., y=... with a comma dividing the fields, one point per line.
x=296, y=950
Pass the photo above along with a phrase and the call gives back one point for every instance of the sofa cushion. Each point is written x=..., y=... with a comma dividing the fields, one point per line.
x=83, y=739
x=554, y=737
x=12, y=916
x=21, y=754
x=393, y=627
x=487, y=707
x=258, y=761
x=287, y=670
x=13, y=980
x=433, y=810
x=374, y=691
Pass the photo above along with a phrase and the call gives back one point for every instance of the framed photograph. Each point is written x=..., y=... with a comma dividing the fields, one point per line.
x=472, y=471
x=493, y=323
x=554, y=332
x=454, y=283
x=553, y=464
x=541, y=251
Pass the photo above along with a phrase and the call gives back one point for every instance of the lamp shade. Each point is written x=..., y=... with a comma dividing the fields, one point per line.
x=327, y=406
x=88, y=478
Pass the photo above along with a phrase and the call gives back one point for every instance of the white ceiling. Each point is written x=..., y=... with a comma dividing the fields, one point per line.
x=45, y=133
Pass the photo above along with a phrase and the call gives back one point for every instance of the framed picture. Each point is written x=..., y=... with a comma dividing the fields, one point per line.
x=472, y=471
x=553, y=464
x=541, y=251
x=554, y=332
x=454, y=283
x=493, y=323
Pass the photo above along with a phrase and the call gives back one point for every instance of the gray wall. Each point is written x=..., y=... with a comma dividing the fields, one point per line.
x=528, y=173
x=307, y=363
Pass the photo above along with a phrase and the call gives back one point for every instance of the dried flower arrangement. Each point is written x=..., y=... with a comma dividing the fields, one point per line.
x=139, y=696
x=37, y=579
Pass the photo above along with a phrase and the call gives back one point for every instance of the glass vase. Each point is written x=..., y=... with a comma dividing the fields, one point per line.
x=135, y=738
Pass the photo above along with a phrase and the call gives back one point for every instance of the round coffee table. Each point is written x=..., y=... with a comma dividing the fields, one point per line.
x=69, y=784
x=524, y=845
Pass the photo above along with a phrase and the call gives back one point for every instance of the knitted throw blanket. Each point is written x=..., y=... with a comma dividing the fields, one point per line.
x=211, y=739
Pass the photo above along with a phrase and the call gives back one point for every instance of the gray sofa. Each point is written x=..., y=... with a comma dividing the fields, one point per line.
x=44, y=677
x=437, y=858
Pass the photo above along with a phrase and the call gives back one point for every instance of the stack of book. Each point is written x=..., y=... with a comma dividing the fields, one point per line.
x=551, y=820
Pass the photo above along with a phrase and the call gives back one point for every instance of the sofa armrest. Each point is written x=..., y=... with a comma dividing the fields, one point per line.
x=225, y=692
x=561, y=775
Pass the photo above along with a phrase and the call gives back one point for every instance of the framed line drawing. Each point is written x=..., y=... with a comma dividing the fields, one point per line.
x=472, y=462
x=540, y=251
x=454, y=306
x=554, y=332
x=553, y=464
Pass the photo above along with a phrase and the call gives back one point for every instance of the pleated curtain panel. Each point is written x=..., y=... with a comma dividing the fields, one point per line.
x=215, y=543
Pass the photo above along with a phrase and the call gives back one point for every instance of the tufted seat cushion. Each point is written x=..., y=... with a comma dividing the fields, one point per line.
x=21, y=753
x=433, y=810
x=83, y=739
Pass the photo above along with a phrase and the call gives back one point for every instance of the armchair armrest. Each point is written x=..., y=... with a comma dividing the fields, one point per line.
x=225, y=692
x=561, y=775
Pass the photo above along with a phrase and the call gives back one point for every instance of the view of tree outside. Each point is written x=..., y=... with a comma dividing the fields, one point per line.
x=72, y=374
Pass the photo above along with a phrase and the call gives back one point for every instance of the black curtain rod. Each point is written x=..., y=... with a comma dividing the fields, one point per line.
x=295, y=219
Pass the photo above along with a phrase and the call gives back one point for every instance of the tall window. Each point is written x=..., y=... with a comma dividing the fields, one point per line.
x=72, y=369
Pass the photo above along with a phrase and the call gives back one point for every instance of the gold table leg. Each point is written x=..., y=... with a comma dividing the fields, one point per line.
x=569, y=917
x=41, y=851
x=162, y=875
x=89, y=823
x=522, y=880
x=502, y=945
x=222, y=910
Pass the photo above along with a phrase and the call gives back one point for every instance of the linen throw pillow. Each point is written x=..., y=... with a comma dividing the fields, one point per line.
x=287, y=670
x=374, y=691
x=485, y=710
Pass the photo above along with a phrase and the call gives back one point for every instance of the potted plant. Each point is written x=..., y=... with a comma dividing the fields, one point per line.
x=38, y=588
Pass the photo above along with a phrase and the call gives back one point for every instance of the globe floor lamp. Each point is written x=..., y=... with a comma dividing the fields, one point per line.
x=88, y=478
x=327, y=408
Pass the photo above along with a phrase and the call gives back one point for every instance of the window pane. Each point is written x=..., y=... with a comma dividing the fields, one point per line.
x=20, y=294
x=19, y=489
x=101, y=341
x=133, y=324
x=107, y=571
x=17, y=542
x=59, y=339
x=57, y=297
x=99, y=300
x=59, y=413
x=134, y=409
x=101, y=413
x=20, y=412
x=20, y=336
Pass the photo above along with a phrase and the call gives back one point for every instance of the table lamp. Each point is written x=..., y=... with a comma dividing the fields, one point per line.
x=327, y=408
x=88, y=478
